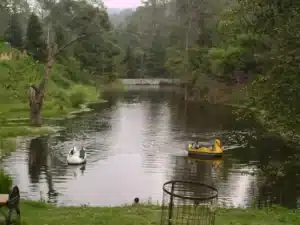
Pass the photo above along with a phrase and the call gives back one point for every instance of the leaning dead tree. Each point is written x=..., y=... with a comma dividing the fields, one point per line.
x=90, y=21
x=81, y=20
x=37, y=94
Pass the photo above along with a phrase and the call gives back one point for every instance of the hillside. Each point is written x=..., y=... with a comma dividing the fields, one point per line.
x=66, y=57
x=111, y=11
x=18, y=71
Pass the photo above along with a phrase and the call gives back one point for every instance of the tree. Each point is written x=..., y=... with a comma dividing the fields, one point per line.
x=81, y=21
x=14, y=32
x=35, y=43
x=130, y=62
x=4, y=17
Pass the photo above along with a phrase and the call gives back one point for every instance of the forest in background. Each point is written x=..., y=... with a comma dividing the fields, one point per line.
x=242, y=52
x=217, y=47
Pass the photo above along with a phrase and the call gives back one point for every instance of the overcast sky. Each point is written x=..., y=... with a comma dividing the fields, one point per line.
x=122, y=3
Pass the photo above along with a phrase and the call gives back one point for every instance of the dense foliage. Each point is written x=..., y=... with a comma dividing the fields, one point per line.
x=221, y=46
x=79, y=31
x=5, y=182
x=34, y=39
x=216, y=46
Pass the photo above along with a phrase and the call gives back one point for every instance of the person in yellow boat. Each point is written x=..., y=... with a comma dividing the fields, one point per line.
x=214, y=145
x=205, y=149
x=195, y=145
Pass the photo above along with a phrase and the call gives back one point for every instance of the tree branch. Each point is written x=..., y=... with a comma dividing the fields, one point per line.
x=80, y=37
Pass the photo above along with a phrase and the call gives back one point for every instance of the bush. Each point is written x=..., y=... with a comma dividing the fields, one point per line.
x=77, y=96
x=5, y=182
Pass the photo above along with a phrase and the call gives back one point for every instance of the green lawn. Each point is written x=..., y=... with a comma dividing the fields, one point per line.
x=15, y=121
x=37, y=213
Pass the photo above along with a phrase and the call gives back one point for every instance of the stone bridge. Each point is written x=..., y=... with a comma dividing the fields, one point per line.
x=151, y=81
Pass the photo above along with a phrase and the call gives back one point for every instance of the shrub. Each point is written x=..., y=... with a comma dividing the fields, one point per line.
x=77, y=96
x=5, y=182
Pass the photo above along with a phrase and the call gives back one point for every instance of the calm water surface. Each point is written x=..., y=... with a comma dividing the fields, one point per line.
x=136, y=142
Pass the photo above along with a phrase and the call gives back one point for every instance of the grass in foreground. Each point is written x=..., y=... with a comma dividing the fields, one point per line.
x=37, y=213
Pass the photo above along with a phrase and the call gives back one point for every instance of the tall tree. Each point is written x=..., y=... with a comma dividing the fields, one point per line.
x=80, y=21
x=14, y=32
x=34, y=40
x=130, y=61
x=4, y=17
x=155, y=58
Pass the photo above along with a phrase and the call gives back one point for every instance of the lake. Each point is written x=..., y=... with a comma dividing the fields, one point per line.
x=136, y=141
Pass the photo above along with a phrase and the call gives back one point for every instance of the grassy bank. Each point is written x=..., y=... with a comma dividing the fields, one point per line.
x=15, y=116
x=37, y=213
x=72, y=100
x=69, y=91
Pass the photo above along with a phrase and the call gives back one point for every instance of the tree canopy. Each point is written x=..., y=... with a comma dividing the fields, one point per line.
x=214, y=46
x=221, y=45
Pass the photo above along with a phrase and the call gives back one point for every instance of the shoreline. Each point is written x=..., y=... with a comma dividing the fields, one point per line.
x=145, y=214
x=15, y=127
x=260, y=117
x=19, y=127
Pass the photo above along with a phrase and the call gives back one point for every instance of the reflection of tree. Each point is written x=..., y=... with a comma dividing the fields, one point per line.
x=145, y=93
x=200, y=117
x=279, y=184
x=196, y=118
x=276, y=172
x=37, y=158
x=38, y=163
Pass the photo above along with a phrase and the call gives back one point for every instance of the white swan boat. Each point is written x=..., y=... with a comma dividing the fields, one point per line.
x=76, y=156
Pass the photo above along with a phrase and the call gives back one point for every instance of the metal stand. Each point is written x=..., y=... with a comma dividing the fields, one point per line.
x=188, y=203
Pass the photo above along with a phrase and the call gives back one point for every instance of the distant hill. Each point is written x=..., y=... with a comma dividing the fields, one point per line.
x=118, y=16
x=113, y=10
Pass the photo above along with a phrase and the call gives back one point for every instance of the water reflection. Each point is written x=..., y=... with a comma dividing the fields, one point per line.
x=78, y=170
x=39, y=163
x=37, y=158
x=280, y=181
x=135, y=142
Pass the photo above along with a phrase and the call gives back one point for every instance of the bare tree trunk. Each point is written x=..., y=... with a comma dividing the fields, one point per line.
x=36, y=94
x=35, y=107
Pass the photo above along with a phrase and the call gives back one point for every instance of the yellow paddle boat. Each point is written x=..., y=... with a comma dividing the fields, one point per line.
x=204, y=150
